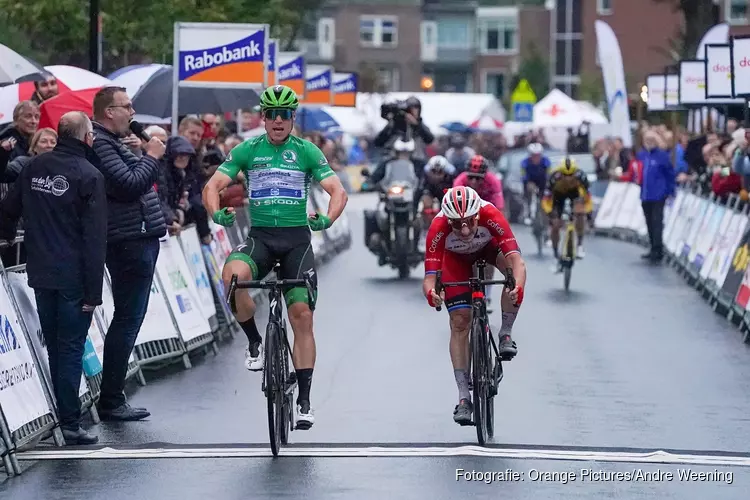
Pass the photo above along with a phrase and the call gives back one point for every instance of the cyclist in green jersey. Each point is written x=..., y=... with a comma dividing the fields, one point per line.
x=278, y=167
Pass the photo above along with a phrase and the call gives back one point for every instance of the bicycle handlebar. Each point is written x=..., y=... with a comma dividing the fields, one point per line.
x=509, y=282
x=265, y=284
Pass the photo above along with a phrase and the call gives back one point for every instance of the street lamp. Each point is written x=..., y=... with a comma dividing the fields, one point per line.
x=426, y=83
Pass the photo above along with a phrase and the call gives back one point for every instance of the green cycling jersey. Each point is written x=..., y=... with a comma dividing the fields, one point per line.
x=278, y=178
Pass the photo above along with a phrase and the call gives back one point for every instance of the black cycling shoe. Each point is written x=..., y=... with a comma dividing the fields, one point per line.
x=507, y=348
x=462, y=412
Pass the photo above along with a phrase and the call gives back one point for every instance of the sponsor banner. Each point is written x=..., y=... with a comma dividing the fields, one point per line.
x=180, y=290
x=706, y=236
x=672, y=91
x=656, y=92
x=697, y=222
x=191, y=247
x=718, y=69
x=26, y=301
x=107, y=309
x=214, y=274
x=734, y=233
x=291, y=72
x=607, y=214
x=22, y=397
x=631, y=203
x=345, y=86
x=273, y=46
x=220, y=246
x=318, y=84
x=221, y=54
x=93, y=355
x=717, y=245
x=737, y=269
x=740, y=71
x=613, y=75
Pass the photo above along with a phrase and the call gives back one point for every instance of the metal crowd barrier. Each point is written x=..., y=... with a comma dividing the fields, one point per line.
x=706, y=240
x=160, y=348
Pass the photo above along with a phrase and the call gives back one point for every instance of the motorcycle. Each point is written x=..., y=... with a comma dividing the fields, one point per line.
x=392, y=230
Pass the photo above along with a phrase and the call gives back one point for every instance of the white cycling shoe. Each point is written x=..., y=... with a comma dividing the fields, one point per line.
x=580, y=253
x=254, y=362
x=305, y=417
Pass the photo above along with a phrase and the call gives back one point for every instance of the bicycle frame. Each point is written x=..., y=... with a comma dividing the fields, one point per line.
x=278, y=384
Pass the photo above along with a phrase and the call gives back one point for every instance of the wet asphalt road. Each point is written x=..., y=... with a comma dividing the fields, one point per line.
x=630, y=358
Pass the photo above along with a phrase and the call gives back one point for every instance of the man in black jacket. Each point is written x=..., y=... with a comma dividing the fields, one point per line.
x=396, y=128
x=61, y=197
x=135, y=224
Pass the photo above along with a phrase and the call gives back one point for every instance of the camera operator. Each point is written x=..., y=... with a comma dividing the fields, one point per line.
x=405, y=122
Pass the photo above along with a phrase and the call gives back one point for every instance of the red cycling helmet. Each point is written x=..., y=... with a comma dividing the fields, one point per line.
x=478, y=165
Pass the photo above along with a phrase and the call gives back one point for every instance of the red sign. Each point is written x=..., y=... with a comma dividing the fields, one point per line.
x=554, y=110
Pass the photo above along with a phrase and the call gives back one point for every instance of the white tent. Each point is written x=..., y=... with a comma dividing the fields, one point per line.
x=559, y=110
x=438, y=108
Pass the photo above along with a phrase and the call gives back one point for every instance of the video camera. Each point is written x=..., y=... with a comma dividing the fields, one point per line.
x=396, y=109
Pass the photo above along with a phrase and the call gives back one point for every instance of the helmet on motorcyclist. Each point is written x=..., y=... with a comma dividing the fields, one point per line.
x=413, y=102
x=437, y=164
x=401, y=146
x=458, y=141
x=461, y=202
x=535, y=148
x=568, y=166
x=477, y=166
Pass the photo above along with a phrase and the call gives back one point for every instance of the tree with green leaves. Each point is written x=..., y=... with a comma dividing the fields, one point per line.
x=698, y=17
x=139, y=30
x=534, y=67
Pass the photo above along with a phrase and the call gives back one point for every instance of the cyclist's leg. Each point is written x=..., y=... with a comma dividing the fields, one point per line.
x=579, y=208
x=458, y=304
x=506, y=345
x=558, y=203
x=298, y=260
x=251, y=260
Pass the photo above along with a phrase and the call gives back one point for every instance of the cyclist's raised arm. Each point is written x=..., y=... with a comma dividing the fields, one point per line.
x=236, y=160
x=328, y=180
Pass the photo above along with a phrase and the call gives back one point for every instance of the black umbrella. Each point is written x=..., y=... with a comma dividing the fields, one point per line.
x=155, y=97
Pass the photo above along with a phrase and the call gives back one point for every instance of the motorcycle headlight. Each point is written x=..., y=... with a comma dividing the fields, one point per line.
x=395, y=190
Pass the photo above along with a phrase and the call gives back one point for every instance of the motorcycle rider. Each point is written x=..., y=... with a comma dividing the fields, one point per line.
x=392, y=168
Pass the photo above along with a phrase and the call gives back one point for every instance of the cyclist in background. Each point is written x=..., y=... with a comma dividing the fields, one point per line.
x=468, y=229
x=438, y=178
x=278, y=167
x=534, y=170
x=566, y=182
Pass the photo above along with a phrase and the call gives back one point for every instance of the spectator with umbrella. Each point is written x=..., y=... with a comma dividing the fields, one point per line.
x=45, y=88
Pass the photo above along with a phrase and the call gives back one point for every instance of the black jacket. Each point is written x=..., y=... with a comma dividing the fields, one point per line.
x=420, y=133
x=20, y=149
x=174, y=181
x=62, y=199
x=133, y=205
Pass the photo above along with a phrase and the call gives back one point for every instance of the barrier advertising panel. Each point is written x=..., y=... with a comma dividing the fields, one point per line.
x=156, y=323
x=740, y=71
x=656, y=92
x=180, y=290
x=191, y=246
x=718, y=69
x=22, y=397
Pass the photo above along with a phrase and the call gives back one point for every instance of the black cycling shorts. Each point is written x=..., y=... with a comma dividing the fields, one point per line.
x=290, y=247
x=558, y=202
x=436, y=190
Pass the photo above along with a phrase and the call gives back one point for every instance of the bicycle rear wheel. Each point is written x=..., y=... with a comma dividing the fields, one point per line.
x=479, y=376
x=274, y=387
x=570, y=256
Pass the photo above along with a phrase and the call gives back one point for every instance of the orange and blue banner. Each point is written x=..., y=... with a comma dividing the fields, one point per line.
x=273, y=46
x=345, y=89
x=319, y=85
x=291, y=71
x=224, y=55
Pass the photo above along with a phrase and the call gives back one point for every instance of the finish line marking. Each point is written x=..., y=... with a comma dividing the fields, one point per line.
x=654, y=457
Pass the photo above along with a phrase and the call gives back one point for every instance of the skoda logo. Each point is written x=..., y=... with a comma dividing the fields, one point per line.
x=274, y=192
x=289, y=156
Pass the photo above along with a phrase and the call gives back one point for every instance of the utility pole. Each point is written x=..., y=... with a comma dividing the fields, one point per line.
x=94, y=60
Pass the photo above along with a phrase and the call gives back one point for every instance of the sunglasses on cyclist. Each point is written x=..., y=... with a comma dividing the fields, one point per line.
x=457, y=224
x=271, y=114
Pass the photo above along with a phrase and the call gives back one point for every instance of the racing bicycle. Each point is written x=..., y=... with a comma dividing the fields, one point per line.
x=278, y=383
x=485, y=375
x=538, y=228
x=570, y=243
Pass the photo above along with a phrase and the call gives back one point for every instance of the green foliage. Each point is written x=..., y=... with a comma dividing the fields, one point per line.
x=136, y=31
x=591, y=88
x=534, y=67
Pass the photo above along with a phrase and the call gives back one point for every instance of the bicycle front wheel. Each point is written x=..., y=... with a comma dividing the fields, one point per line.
x=274, y=387
x=570, y=254
x=479, y=376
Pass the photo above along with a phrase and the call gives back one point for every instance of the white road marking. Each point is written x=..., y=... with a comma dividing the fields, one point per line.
x=655, y=457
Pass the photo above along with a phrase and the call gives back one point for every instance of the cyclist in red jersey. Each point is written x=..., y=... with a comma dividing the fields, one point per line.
x=465, y=230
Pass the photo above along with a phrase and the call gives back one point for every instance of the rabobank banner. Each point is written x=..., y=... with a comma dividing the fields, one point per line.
x=291, y=71
x=273, y=46
x=221, y=55
x=345, y=89
x=319, y=85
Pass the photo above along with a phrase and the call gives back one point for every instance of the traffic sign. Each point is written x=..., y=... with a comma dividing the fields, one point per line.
x=522, y=100
x=523, y=111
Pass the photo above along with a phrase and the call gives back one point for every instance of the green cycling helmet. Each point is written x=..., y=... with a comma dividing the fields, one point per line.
x=279, y=96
